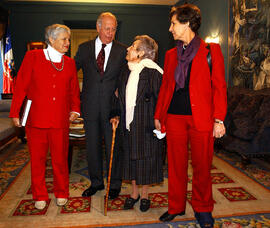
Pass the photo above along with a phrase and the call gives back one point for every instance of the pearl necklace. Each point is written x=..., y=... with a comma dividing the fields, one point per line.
x=53, y=63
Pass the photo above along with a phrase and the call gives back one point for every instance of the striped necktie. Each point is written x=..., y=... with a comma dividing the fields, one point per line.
x=101, y=59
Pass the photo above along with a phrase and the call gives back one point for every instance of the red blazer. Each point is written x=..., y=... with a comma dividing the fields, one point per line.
x=208, y=93
x=54, y=94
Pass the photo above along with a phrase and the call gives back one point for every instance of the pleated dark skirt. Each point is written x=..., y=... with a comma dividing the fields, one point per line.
x=148, y=170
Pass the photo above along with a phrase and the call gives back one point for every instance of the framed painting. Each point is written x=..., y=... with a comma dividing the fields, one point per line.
x=36, y=45
x=249, y=47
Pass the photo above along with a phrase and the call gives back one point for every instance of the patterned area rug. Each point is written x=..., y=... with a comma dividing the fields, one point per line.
x=254, y=170
x=247, y=221
x=158, y=200
x=239, y=201
x=12, y=160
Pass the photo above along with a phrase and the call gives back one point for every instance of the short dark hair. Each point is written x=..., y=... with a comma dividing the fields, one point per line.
x=148, y=45
x=188, y=13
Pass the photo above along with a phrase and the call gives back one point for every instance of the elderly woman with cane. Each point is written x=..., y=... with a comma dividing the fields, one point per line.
x=49, y=79
x=138, y=89
x=191, y=108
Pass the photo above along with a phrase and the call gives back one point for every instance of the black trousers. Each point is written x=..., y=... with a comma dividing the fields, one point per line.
x=95, y=131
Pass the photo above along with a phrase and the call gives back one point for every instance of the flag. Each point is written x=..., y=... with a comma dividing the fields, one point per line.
x=1, y=67
x=8, y=66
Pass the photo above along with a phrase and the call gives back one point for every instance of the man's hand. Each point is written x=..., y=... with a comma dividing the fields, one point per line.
x=114, y=121
x=73, y=116
x=16, y=122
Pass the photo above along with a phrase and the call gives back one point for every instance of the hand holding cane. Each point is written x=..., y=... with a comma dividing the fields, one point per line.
x=114, y=126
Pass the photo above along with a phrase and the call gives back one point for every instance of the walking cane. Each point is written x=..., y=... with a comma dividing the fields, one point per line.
x=114, y=126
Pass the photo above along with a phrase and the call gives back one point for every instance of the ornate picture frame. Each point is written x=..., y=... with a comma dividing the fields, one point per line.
x=36, y=45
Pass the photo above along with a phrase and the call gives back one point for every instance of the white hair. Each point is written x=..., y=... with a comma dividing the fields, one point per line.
x=105, y=14
x=52, y=31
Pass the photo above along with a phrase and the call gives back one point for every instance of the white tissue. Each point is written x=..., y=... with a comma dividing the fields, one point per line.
x=159, y=134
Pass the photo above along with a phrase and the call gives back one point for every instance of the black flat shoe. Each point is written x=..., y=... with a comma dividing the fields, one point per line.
x=205, y=219
x=166, y=217
x=114, y=193
x=145, y=205
x=130, y=202
x=92, y=190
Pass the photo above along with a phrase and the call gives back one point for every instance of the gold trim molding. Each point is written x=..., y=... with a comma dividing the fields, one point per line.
x=144, y=2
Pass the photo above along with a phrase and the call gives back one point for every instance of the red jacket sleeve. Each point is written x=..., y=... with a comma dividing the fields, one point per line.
x=160, y=112
x=74, y=90
x=219, y=88
x=22, y=81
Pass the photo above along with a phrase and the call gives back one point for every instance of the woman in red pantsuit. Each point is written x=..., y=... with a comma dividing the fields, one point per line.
x=191, y=108
x=49, y=79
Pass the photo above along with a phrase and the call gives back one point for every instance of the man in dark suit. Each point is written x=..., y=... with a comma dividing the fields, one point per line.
x=101, y=60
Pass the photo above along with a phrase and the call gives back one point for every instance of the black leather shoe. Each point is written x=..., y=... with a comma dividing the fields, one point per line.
x=130, y=202
x=92, y=190
x=205, y=219
x=166, y=217
x=114, y=193
x=145, y=205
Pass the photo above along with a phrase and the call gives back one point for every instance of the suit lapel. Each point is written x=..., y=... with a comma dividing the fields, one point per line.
x=196, y=63
x=143, y=83
x=92, y=55
x=124, y=85
x=113, y=54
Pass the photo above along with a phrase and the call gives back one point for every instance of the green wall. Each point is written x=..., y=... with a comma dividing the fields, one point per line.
x=28, y=20
x=215, y=19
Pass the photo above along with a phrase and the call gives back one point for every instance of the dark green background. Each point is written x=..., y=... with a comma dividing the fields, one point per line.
x=28, y=20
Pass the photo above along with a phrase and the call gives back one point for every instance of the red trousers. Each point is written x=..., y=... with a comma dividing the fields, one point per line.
x=180, y=131
x=39, y=141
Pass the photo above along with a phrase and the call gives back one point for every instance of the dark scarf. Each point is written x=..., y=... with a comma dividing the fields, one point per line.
x=184, y=60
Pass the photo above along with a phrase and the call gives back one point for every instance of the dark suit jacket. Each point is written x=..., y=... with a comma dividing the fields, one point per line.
x=97, y=90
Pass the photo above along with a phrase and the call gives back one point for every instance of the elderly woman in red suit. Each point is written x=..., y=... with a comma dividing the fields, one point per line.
x=191, y=108
x=49, y=79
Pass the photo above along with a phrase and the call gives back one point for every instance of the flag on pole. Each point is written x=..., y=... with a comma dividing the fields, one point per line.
x=1, y=66
x=8, y=66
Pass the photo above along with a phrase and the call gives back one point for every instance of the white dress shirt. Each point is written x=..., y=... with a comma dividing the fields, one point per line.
x=107, y=49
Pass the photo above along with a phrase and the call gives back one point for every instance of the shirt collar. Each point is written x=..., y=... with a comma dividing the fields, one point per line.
x=99, y=43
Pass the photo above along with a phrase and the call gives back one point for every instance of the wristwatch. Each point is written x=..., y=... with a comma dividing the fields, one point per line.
x=219, y=121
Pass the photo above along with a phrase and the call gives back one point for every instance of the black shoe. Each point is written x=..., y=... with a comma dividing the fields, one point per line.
x=205, y=219
x=130, y=202
x=145, y=205
x=166, y=217
x=114, y=193
x=92, y=190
